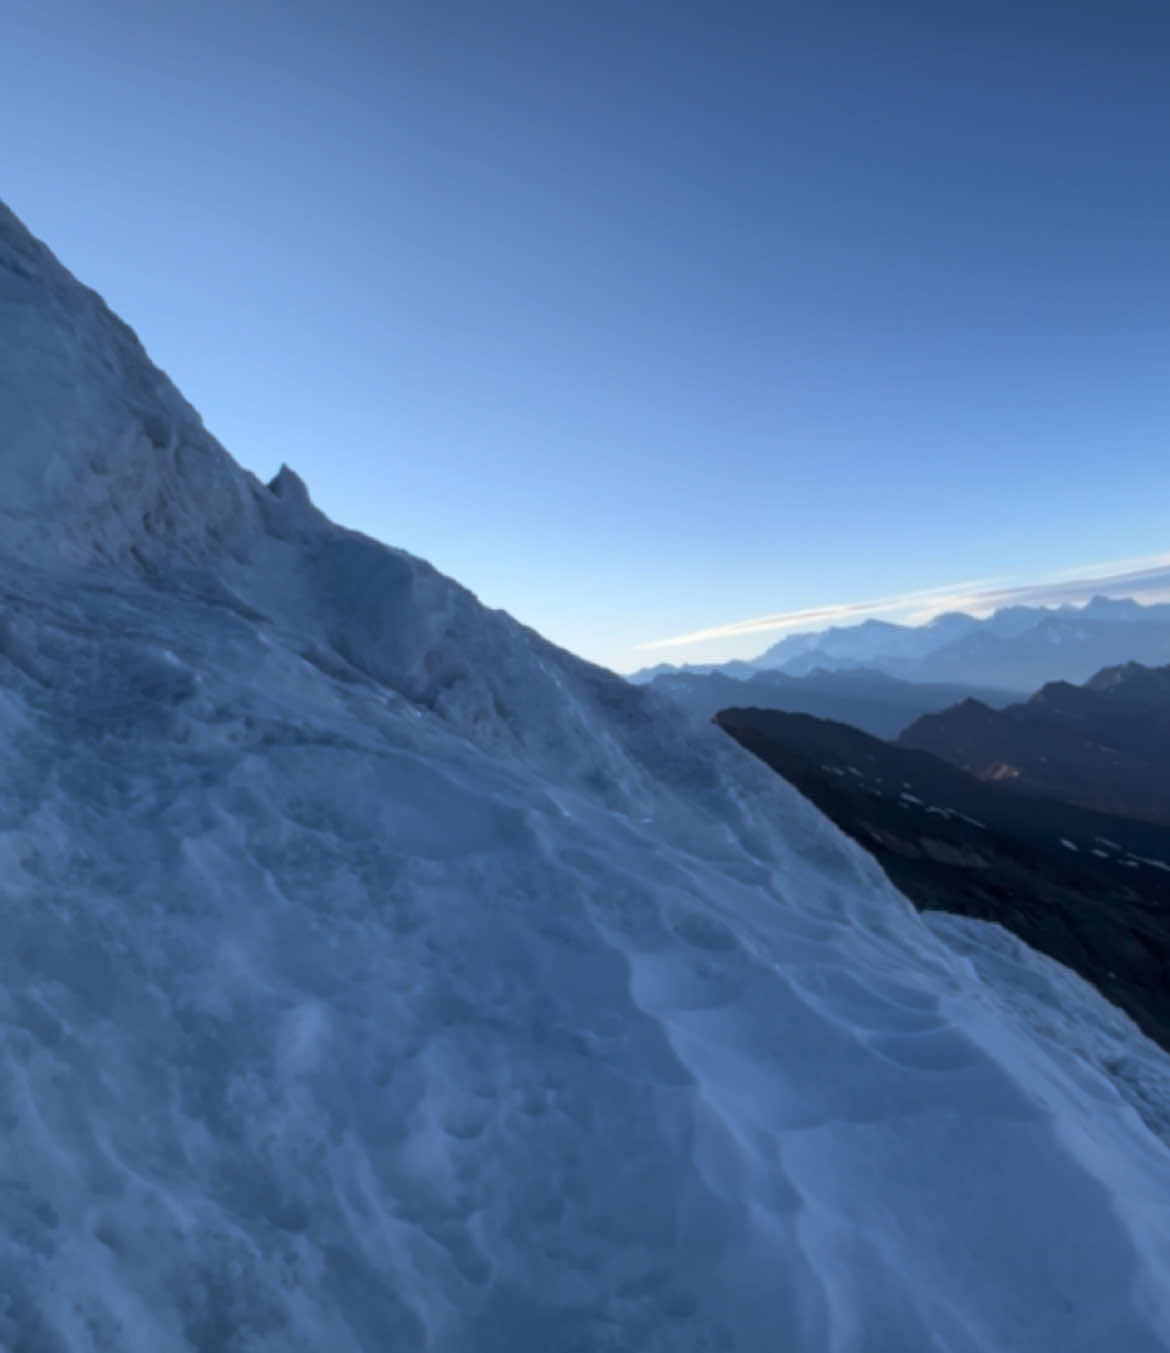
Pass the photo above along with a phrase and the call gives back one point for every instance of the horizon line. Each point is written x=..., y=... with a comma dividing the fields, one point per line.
x=980, y=597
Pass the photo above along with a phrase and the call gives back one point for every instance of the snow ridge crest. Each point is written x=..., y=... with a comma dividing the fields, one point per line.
x=100, y=456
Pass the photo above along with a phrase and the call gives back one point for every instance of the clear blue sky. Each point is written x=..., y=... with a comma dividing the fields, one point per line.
x=640, y=318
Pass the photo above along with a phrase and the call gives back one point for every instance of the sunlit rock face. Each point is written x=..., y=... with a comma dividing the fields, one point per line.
x=376, y=976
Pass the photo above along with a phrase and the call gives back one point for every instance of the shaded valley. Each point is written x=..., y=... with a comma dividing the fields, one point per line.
x=869, y=699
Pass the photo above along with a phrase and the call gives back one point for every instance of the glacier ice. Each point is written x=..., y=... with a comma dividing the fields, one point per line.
x=376, y=976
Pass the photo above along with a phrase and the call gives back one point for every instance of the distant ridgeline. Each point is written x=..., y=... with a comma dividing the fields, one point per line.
x=1017, y=649
x=1105, y=745
x=880, y=704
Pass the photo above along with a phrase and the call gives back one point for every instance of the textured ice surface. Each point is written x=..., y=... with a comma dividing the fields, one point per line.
x=375, y=976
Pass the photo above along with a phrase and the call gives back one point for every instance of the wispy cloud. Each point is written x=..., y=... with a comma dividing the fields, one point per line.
x=1147, y=578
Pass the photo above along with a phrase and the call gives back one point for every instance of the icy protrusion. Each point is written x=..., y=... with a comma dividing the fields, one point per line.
x=290, y=487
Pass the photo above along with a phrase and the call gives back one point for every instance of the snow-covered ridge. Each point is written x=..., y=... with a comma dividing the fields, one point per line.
x=377, y=976
x=99, y=453
x=103, y=465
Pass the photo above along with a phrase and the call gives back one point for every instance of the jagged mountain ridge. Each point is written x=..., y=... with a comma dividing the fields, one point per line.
x=865, y=644
x=1105, y=745
x=1059, y=646
x=379, y=976
x=1016, y=648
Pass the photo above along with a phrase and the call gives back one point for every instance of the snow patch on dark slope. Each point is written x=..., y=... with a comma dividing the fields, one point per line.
x=377, y=976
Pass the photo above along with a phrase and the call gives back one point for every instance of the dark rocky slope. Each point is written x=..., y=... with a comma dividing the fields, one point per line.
x=1104, y=745
x=1086, y=888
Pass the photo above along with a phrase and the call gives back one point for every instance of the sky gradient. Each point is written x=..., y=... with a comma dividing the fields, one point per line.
x=640, y=318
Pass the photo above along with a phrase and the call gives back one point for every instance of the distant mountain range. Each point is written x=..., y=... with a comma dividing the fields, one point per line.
x=880, y=704
x=1105, y=745
x=868, y=644
x=1018, y=648
x=1089, y=889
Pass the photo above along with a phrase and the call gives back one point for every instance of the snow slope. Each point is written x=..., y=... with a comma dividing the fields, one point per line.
x=376, y=976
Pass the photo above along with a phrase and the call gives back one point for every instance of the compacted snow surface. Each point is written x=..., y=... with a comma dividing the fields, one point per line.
x=376, y=976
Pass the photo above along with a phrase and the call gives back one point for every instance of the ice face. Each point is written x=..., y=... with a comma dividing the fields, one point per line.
x=376, y=976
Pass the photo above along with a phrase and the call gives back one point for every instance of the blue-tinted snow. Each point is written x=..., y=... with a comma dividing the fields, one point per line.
x=375, y=976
